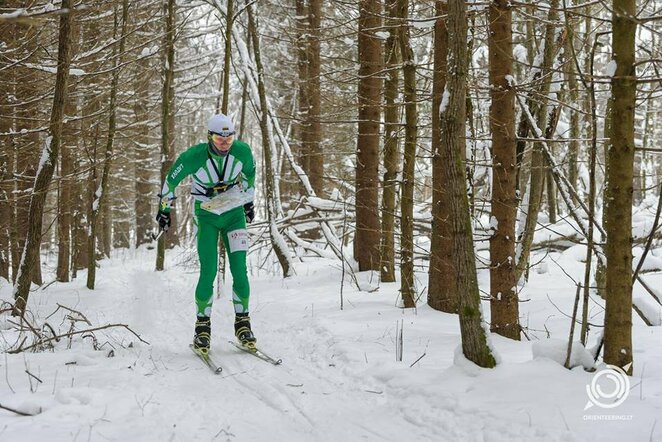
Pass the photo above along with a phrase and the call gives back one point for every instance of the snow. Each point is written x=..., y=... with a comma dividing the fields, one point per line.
x=557, y=349
x=444, y=101
x=610, y=69
x=422, y=24
x=17, y=13
x=339, y=378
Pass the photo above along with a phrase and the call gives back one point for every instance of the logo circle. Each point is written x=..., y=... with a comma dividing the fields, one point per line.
x=617, y=384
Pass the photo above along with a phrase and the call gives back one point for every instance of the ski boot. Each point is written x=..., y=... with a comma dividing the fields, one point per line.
x=242, y=330
x=202, y=337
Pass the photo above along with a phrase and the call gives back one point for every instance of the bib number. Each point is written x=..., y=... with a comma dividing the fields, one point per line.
x=238, y=240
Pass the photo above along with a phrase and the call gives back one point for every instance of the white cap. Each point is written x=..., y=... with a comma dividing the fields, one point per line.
x=220, y=124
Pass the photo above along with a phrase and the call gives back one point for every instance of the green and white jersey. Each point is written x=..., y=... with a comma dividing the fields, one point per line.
x=208, y=170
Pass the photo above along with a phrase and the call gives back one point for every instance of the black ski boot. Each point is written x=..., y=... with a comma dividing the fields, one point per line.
x=242, y=330
x=202, y=337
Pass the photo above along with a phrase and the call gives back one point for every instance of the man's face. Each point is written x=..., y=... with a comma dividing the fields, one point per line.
x=222, y=143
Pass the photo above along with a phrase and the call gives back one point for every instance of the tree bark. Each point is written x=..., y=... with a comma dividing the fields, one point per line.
x=503, y=283
x=407, y=288
x=391, y=151
x=366, y=237
x=46, y=167
x=314, y=138
x=167, y=116
x=101, y=193
x=453, y=120
x=441, y=279
x=618, y=210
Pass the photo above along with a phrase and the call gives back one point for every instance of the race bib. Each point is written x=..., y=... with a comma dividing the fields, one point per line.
x=238, y=240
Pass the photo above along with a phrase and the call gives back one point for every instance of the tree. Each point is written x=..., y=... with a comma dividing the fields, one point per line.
x=366, y=238
x=619, y=175
x=101, y=192
x=46, y=165
x=453, y=130
x=441, y=286
x=391, y=151
x=313, y=147
x=503, y=282
x=407, y=288
x=167, y=114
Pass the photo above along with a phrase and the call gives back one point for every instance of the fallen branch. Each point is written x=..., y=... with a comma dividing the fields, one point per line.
x=72, y=333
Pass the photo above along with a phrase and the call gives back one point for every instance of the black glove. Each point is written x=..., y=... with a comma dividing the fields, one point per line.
x=249, y=211
x=163, y=218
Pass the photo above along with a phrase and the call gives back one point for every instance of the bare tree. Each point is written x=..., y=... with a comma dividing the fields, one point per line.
x=47, y=164
x=101, y=192
x=453, y=130
x=391, y=150
x=407, y=288
x=441, y=286
x=618, y=208
x=167, y=113
x=366, y=238
x=503, y=282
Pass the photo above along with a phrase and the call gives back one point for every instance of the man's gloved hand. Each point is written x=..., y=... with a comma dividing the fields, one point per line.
x=249, y=211
x=163, y=218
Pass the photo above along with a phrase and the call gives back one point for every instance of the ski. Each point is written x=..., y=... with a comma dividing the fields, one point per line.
x=216, y=369
x=258, y=354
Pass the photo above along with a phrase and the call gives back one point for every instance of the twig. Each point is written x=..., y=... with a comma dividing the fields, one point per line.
x=419, y=358
x=15, y=411
x=33, y=376
x=572, y=328
x=649, y=241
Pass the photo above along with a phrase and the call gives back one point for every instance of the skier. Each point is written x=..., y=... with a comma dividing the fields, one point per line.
x=222, y=170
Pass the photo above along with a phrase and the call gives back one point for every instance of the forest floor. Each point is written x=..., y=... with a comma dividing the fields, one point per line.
x=339, y=379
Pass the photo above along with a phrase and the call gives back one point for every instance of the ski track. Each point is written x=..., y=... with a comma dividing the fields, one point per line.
x=338, y=380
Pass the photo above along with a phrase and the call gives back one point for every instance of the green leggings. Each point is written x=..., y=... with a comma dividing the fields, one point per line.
x=232, y=225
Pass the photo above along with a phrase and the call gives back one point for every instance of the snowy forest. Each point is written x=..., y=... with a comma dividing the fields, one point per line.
x=456, y=235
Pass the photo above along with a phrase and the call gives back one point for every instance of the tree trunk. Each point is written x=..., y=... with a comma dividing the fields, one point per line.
x=314, y=138
x=618, y=209
x=366, y=238
x=27, y=150
x=391, y=151
x=144, y=160
x=441, y=279
x=573, y=95
x=46, y=166
x=407, y=287
x=503, y=292
x=167, y=116
x=537, y=168
x=100, y=195
x=453, y=131
x=6, y=186
x=277, y=240
x=65, y=194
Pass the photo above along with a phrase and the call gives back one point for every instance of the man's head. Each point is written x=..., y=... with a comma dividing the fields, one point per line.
x=220, y=133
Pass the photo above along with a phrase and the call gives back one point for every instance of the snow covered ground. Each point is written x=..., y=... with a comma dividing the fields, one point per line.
x=339, y=379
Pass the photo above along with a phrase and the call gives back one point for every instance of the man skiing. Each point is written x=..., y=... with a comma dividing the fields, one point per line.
x=223, y=173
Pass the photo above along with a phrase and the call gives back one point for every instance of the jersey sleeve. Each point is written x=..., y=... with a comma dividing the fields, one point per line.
x=180, y=169
x=248, y=172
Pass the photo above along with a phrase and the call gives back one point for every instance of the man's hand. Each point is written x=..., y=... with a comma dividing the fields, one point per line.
x=163, y=218
x=249, y=211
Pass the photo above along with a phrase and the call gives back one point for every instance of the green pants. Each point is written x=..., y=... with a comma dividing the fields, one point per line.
x=232, y=226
